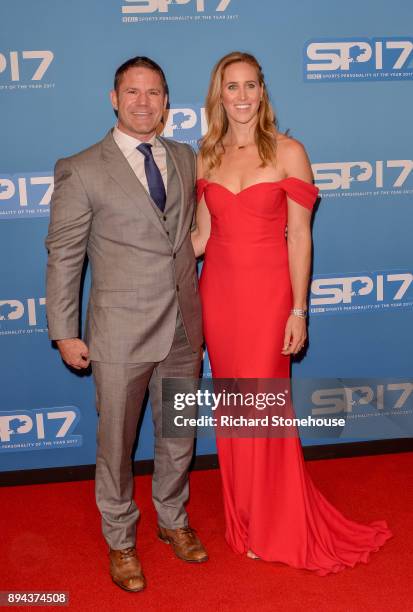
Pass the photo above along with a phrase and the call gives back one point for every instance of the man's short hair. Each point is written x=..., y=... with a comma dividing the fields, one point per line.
x=140, y=61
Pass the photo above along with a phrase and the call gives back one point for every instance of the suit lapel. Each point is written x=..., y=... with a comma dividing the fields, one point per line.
x=174, y=160
x=121, y=172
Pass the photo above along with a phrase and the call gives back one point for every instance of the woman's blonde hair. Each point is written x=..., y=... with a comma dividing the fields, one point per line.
x=211, y=146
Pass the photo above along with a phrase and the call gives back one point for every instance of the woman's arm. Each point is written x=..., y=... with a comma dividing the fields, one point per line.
x=297, y=164
x=200, y=234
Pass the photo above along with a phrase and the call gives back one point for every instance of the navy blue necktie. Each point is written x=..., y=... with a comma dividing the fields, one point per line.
x=153, y=176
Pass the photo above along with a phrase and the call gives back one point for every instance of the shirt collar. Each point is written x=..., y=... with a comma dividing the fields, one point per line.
x=127, y=143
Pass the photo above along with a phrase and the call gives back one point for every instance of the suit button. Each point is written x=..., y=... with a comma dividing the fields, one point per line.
x=167, y=233
x=174, y=255
x=164, y=218
x=177, y=287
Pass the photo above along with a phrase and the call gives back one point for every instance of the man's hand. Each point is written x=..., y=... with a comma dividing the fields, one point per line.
x=74, y=352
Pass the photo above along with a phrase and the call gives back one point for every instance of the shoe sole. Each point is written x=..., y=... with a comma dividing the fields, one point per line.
x=126, y=589
x=168, y=541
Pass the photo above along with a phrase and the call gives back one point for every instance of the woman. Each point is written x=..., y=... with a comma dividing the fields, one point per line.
x=252, y=180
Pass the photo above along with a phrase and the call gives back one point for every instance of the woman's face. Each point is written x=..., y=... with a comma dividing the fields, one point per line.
x=241, y=92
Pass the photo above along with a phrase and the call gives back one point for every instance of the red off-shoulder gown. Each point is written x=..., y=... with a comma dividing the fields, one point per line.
x=272, y=506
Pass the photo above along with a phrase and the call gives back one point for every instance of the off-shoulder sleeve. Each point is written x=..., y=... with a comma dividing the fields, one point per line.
x=301, y=192
x=200, y=188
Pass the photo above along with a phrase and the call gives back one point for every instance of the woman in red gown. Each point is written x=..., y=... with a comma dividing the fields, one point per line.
x=253, y=181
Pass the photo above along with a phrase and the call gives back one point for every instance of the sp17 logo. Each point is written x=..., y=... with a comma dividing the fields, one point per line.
x=25, y=195
x=359, y=59
x=186, y=124
x=163, y=6
x=388, y=174
x=46, y=428
x=22, y=316
x=25, y=65
x=357, y=394
x=364, y=292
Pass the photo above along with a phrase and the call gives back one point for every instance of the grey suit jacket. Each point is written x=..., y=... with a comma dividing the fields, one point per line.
x=139, y=275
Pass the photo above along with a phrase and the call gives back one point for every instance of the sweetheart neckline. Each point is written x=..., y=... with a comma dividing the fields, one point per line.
x=254, y=184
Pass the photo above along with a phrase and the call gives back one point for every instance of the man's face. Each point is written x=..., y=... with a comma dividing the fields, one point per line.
x=140, y=101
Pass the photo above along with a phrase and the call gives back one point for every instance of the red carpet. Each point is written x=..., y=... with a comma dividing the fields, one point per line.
x=50, y=541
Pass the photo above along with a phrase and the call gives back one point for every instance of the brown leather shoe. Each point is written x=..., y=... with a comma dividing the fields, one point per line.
x=185, y=543
x=125, y=569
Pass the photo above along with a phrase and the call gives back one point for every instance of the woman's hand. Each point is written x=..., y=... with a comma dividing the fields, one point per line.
x=200, y=235
x=295, y=335
x=198, y=244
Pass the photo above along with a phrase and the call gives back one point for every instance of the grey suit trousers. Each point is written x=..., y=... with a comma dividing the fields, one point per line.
x=120, y=390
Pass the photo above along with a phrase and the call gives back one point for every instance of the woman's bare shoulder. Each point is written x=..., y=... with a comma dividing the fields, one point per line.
x=287, y=145
x=293, y=157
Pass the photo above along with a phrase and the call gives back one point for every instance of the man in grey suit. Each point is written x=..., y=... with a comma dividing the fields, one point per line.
x=127, y=202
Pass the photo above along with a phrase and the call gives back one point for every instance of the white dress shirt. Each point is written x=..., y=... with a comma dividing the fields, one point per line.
x=127, y=144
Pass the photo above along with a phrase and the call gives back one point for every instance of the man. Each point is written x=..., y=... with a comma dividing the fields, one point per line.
x=127, y=202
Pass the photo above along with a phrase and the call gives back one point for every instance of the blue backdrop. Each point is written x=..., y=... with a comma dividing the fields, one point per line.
x=340, y=77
